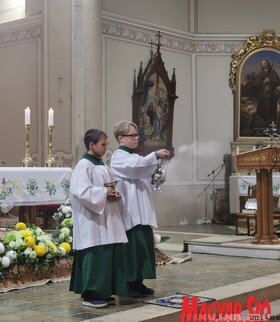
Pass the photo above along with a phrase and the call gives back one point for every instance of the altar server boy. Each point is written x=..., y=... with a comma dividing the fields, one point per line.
x=98, y=231
x=134, y=174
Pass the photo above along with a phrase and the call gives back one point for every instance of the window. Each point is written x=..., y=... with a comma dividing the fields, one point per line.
x=11, y=10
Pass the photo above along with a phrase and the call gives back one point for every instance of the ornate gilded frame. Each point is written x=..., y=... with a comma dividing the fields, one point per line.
x=253, y=92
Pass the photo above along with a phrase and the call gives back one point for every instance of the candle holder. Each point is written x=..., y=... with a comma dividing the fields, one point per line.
x=50, y=162
x=27, y=161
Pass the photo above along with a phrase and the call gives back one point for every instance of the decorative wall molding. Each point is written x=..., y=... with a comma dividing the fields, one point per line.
x=187, y=44
x=20, y=33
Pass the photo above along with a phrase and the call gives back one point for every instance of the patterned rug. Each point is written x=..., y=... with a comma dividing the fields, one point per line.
x=162, y=259
x=176, y=301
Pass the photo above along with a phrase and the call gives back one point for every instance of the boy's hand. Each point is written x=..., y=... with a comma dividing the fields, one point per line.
x=112, y=193
x=163, y=154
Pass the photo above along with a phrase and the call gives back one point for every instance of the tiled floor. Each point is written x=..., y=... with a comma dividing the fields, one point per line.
x=53, y=301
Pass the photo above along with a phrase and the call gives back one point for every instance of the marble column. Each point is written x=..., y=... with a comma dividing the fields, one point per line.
x=87, y=68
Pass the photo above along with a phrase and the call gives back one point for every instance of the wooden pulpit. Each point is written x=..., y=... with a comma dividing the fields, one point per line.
x=264, y=161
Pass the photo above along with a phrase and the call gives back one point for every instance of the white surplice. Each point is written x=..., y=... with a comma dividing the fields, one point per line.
x=134, y=174
x=97, y=219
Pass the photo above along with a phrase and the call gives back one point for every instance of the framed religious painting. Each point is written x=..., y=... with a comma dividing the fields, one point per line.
x=153, y=99
x=255, y=82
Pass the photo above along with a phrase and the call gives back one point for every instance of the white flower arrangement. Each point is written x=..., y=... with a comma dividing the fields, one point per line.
x=63, y=212
x=64, y=218
x=5, y=262
x=32, y=247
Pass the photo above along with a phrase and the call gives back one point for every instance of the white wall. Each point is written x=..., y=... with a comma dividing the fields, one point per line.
x=169, y=13
x=19, y=79
x=11, y=10
x=237, y=16
x=214, y=115
x=37, y=52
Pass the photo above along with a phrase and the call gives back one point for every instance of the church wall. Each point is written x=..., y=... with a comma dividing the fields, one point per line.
x=37, y=73
x=20, y=83
x=168, y=13
x=237, y=16
x=214, y=115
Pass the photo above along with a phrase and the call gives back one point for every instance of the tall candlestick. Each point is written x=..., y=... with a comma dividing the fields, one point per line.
x=50, y=117
x=50, y=162
x=27, y=116
x=27, y=160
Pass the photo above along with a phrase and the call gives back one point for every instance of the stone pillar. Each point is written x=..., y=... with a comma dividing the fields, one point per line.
x=87, y=69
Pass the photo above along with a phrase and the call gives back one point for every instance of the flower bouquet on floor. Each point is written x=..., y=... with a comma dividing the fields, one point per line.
x=32, y=248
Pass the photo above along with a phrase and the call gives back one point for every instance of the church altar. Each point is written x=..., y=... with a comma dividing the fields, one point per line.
x=23, y=186
x=238, y=186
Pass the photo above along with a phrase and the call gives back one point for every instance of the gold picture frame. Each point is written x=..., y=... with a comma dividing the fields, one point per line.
x=255, y=83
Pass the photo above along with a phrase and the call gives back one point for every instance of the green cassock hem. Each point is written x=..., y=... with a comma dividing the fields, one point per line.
x=140, y=253
x=99, y=271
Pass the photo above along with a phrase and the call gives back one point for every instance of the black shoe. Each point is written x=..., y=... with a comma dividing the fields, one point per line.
x=111, y=301
x=143, y=289
x=131, y=292
x=95, y=303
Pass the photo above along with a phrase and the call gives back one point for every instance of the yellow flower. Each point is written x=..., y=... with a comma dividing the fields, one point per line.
x=66, y=247
x=25, y=233
x=52, y=246
x=29, y=241
x=40, y=250
x=20, y=225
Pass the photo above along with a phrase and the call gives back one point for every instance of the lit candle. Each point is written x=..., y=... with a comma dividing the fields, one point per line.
x=50, y=118
x=27, y=116
x=237, y=150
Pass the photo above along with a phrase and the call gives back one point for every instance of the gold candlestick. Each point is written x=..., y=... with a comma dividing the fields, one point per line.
x=27, y=161
x=50, y=162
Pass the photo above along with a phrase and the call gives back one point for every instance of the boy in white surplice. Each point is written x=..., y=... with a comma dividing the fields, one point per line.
x=98, y=229
x=134, y=174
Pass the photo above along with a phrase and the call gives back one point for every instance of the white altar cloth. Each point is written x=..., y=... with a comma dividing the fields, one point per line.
x=33, y=186
x=238, y=186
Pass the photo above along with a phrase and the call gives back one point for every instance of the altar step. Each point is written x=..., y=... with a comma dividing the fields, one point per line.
x=232, y=246
x=261, y=288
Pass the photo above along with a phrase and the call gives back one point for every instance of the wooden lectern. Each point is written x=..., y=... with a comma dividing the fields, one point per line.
x=264, y=161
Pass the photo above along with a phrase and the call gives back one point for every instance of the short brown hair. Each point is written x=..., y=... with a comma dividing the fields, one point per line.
x=122, y=128
x=94, y=136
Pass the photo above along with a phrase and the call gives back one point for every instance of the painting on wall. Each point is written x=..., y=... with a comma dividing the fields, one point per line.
x=153, y=99
x=255, y=81
x=154, y=112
